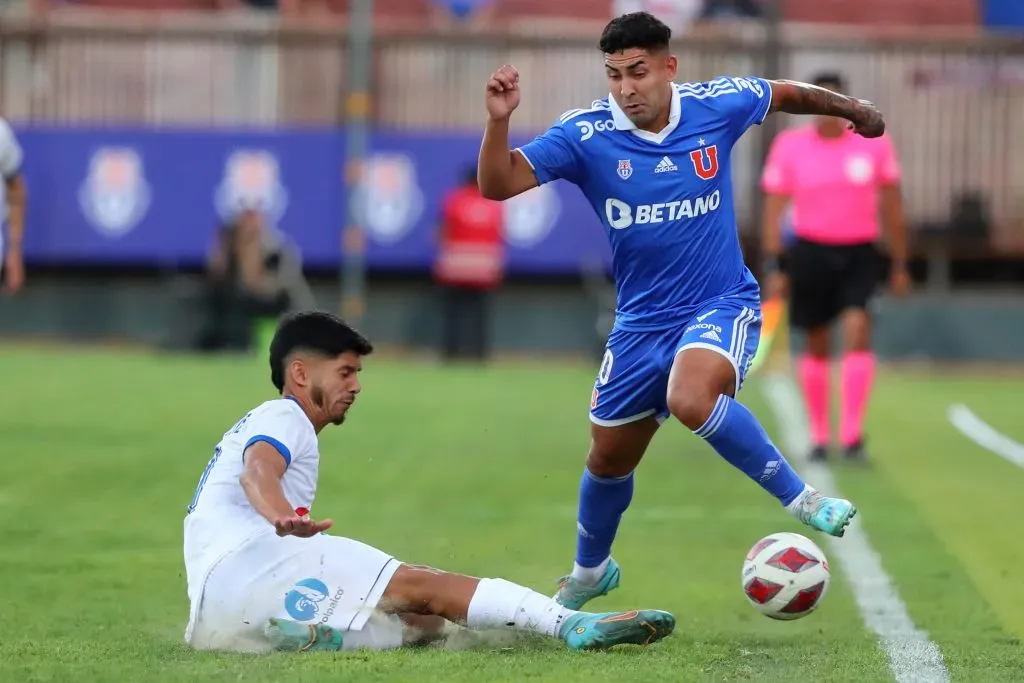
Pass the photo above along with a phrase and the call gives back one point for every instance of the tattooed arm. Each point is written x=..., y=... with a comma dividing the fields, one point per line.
x=792, y=97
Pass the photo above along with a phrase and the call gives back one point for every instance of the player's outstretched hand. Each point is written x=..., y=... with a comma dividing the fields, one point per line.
x=303, y=526
x=502, y=94
x=868, y=121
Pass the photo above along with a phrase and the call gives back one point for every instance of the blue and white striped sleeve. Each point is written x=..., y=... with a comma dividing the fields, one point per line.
x=750, y=104
x=742, y=102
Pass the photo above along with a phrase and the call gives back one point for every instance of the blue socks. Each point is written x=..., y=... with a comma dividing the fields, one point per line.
x=735, y=433
x=602, y=502
x=732, y=430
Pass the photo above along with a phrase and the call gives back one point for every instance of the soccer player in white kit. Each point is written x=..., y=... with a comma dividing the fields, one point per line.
x=263, y=575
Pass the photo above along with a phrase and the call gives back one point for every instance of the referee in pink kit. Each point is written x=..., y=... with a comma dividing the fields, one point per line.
x=839, y=184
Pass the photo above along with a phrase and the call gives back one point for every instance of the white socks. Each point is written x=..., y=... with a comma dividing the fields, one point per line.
x=498, y=603
x=590, y=575
x=794, y=507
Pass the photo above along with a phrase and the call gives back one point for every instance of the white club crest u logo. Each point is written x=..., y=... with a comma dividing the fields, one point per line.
x=625, y=168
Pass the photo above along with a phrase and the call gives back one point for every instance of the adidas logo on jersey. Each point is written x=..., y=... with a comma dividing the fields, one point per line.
x=712, y=335
x=665, y=165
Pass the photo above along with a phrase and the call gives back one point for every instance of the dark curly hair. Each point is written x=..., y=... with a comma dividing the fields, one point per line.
x=316, y=332
x=637, y=30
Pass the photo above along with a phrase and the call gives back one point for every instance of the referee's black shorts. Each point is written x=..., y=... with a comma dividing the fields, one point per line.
x=825, y=280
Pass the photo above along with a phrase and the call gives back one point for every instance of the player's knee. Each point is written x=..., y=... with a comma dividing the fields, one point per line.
x=698, y=379
x=691, y=406
x=616, y=451
x=610, y=465
x=416, y=589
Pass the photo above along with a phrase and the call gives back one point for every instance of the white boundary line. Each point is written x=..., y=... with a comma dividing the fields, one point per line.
x=913, y=657
x=983, y=434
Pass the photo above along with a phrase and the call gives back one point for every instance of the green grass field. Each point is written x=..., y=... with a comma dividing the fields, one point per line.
x=477, y=471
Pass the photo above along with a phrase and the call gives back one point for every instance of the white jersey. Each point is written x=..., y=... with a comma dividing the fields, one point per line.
x=220, y=518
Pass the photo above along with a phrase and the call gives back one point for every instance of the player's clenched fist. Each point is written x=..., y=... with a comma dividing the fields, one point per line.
x=502, y=94
x=303, y=526
x=868, y=121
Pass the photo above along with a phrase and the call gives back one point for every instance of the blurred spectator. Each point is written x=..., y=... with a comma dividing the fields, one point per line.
x=467, y=268
x=462, y=12
x=253, y=272
x=464, y=8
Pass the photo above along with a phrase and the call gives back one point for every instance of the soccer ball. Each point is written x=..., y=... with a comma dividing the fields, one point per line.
x=785, y=576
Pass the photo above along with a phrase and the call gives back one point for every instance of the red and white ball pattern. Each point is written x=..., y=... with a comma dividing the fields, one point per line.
x=785, y=576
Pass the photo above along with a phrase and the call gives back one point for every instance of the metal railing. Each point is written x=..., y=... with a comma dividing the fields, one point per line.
x=955, y=106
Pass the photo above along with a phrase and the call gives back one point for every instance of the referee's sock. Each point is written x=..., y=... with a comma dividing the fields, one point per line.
x=858, y=373
x=814, y=381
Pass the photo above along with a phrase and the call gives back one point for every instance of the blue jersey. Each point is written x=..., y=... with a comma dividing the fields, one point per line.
x=665, y=199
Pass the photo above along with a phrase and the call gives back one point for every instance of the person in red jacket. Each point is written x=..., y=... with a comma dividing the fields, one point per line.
x=468, y=267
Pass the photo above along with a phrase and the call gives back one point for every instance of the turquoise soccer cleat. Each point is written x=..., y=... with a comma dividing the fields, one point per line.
x=830, y=515
x=573, y=593
x=291, y=636
x=586, y=631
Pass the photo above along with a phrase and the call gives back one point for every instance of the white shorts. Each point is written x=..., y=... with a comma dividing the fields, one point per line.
x=325, y=579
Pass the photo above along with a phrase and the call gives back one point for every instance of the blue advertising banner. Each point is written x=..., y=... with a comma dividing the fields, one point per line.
x=156, y=197
x=1003, y=15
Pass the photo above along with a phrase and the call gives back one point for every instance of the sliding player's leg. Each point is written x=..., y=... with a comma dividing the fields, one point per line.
x=485, y=604
x=324, y=589
x=382, y=631
x=626, y=407
x=423, y=629
x=706, y=374
x=479, y=604
x=331, y=593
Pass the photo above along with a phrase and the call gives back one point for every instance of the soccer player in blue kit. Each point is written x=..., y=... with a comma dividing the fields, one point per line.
x=653, y=161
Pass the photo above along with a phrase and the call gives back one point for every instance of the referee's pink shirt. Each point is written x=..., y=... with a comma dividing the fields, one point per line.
x=832, y=182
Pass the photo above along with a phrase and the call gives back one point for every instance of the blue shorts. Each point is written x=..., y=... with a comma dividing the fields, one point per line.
x=632, y=382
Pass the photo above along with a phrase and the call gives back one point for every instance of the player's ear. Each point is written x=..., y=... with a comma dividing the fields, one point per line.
x=299, y=370
x=671, y=67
